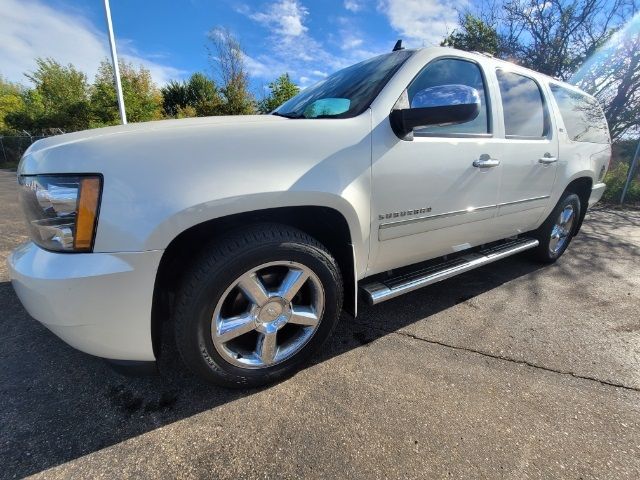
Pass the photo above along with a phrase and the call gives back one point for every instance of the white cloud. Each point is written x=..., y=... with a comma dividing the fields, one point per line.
x=350, y=41
x=285, y=17
x=296, y=51
x=30, y=29
x=422, y=21
x=353, y=5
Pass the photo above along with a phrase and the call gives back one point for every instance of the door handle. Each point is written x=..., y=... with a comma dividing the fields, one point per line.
x=547, y=159
x=485, y=161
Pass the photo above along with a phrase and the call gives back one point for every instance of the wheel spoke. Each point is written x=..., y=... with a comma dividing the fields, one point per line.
x=292, y=283
x=252, y=287
x=230, y=328
x=565, y=216
x=267, y=347
x=304, y=316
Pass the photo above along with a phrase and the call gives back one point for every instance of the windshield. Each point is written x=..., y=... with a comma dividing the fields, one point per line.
x=346, y=93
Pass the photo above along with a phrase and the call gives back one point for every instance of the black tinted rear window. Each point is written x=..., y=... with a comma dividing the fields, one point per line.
x=583, y=117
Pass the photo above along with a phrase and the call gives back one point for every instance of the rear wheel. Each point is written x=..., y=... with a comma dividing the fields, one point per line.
x=556, y=232
x=257, y=305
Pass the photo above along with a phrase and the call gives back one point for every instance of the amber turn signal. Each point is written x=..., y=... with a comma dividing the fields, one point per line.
x=87, y=213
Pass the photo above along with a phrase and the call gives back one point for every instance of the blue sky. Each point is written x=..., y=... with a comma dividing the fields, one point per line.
x=308, y=38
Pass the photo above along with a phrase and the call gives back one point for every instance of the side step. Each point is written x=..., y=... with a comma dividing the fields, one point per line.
x=379, y=291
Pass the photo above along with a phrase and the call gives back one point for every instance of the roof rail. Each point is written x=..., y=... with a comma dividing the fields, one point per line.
x=486, y=54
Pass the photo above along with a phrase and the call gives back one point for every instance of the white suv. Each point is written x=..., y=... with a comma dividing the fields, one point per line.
x=251, y=234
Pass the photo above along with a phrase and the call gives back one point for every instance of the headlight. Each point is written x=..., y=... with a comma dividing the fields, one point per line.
x=61, y=211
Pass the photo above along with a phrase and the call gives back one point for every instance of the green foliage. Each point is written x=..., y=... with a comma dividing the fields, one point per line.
x=622, y=155
x=174, y=97
x=281, y=90
x=59, y=99
x=615, y=180
x=473, y=35
x=142, y=99
x=10, y=101
x=197, y=97
x=238, y=99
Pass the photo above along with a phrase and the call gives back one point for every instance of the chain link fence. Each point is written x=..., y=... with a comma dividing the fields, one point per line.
x=13, y=146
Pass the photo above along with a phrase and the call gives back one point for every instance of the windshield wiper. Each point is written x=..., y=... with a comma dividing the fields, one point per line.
x=287, y=115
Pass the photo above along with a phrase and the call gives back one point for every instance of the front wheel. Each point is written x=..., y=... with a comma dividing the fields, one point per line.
x=558, y=229
x=256, y=305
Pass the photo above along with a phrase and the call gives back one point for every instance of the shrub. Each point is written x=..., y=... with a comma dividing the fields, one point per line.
x=615, y=180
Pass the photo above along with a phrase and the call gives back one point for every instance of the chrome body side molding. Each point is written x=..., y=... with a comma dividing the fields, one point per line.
x=412, y=226
x=525, y=200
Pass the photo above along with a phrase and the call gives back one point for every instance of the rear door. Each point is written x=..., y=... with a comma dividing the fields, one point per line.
x=530, y=152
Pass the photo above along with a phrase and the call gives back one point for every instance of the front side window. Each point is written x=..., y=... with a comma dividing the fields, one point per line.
x=450, y=72
x=348, y=92
x=583, y=117
x=523, y=105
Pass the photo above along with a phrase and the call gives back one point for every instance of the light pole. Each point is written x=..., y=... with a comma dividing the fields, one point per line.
x=114, y=59
x=630, y=173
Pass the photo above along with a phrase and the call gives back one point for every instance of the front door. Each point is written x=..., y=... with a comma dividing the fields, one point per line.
x=437, y=193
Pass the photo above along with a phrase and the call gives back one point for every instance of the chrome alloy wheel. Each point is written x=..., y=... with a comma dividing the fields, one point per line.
x=562, y=229
x=268, y=314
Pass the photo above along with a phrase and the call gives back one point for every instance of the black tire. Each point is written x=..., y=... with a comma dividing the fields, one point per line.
x=544, y=252
x=214, y=271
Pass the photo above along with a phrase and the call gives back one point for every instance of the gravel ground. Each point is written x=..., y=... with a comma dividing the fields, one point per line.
x=513, y=370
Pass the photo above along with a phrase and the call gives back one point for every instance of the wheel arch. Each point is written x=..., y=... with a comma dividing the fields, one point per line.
x=581, y=186
x=329, y=226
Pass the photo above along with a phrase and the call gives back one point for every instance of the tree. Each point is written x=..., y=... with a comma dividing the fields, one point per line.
x=281, y=90
x=203, y=95
x=59, y=99
x=556, y=36
x=474, y=35
x=227, y=60
x=197, y=97
x=142, y=99
x=613, y=76
x=174, y=97
x=10, y=101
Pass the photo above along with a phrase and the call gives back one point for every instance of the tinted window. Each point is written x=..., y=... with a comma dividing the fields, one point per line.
x=449, y=71
x=348, y=92
x=583, y=117
x=523, y=106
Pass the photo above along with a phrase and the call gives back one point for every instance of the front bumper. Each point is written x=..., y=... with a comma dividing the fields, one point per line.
x=596, y=193
x=99, y=303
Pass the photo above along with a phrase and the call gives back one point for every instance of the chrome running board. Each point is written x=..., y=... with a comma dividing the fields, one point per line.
x=379, y=291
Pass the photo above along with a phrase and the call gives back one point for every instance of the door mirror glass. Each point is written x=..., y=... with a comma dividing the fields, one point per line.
x=445, y=95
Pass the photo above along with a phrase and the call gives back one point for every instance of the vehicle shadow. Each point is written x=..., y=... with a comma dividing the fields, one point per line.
x=60, y=404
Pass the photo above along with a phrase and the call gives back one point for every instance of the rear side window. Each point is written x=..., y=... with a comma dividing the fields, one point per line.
x=523, y=105
x=583, y=117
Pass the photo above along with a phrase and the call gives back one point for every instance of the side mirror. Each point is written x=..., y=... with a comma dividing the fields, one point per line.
x=439, y=105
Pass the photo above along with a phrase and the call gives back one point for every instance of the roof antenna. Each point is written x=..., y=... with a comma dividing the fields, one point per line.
x=398, y=46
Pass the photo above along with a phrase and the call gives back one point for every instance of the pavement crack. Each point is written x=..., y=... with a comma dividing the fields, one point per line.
x=516, y=361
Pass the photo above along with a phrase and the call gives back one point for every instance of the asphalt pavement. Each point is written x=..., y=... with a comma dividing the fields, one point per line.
x=514, y=370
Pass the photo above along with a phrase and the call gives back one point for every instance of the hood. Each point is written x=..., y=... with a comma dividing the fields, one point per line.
x=146, y=127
